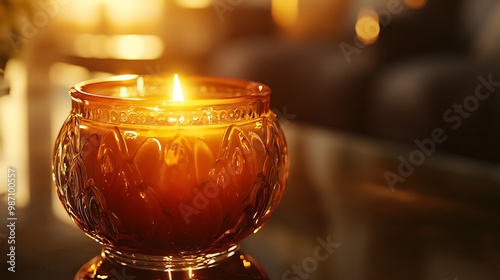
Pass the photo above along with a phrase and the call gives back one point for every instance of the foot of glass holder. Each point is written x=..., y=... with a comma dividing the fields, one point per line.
x=239, y=266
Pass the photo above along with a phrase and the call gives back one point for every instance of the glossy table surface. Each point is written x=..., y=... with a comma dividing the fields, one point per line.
x=339, y=218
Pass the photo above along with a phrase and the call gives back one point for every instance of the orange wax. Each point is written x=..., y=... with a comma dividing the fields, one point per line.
x=171, y=189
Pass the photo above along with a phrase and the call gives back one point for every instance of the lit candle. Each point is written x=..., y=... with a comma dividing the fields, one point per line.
x=195, y=173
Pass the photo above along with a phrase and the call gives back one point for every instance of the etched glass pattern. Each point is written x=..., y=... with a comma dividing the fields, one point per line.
x=190, y=182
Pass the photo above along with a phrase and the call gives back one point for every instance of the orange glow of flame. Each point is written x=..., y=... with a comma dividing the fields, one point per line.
x=178, y=95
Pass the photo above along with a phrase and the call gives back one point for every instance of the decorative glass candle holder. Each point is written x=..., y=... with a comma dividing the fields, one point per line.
x=169, y=186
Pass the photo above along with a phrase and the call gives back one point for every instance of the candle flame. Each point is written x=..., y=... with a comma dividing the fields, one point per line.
x=178, y=96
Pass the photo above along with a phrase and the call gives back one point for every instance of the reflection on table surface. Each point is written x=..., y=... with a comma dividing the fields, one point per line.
x=440, y=223
x=339, y=218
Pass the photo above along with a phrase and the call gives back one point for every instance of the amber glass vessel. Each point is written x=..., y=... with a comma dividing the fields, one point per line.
x=169, y=186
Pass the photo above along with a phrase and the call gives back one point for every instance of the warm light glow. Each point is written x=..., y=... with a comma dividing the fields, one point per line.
x=80, y=14
x=130, y=47
x=415, y=4
x=135, y=47
x=117, y=14
x=368, y=27
x=133, y=12
x=140, y=86
x=124, y=92
x=285, y=12
x=66, y=75
x=124, y=77
x=178, y=95
x=230, y=254
x=247, y=264
x=14, y=133
x=194, y=4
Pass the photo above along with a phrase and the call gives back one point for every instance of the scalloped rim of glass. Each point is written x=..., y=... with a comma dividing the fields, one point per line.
x=219, y=100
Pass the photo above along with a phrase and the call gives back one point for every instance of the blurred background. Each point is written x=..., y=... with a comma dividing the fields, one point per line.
x=378, y=68
x=382, y=70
